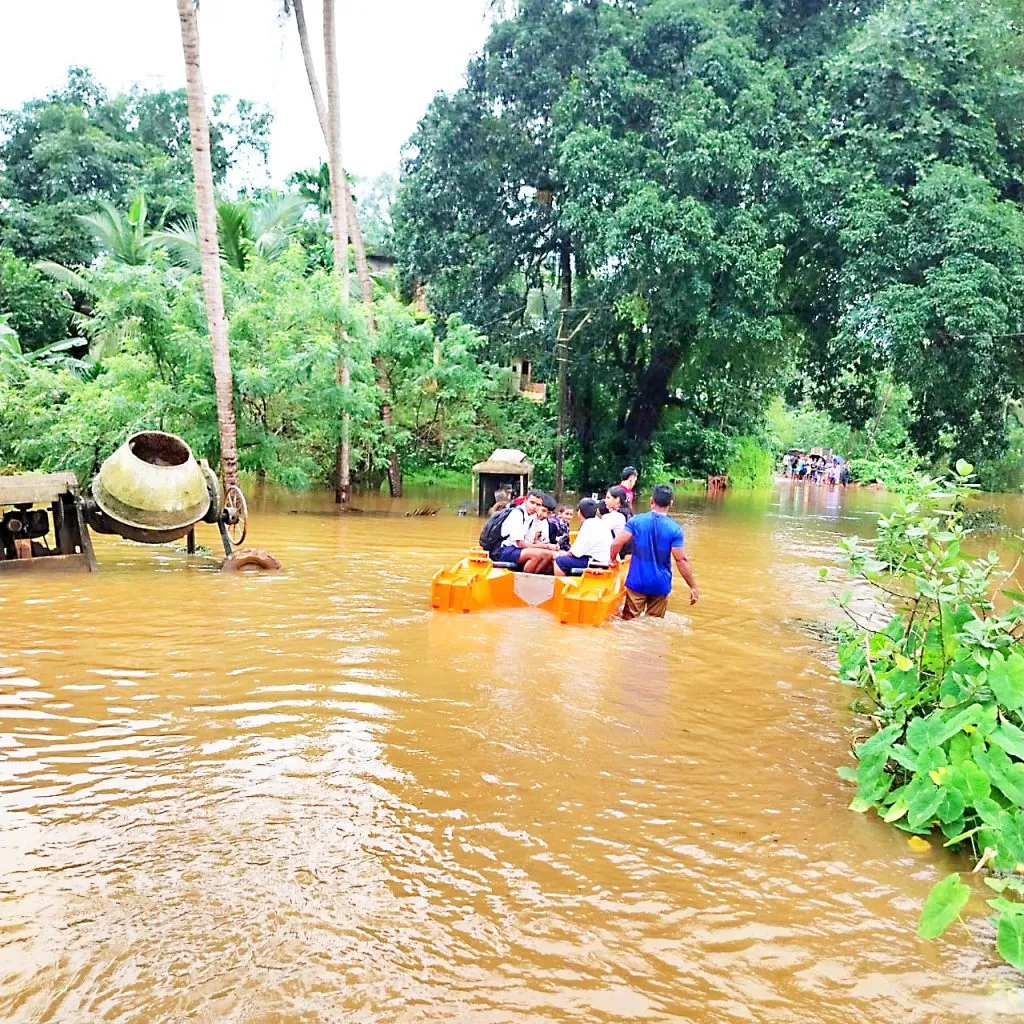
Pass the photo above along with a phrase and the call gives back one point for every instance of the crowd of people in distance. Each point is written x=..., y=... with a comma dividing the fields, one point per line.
x=531, y=534
x=816, y=469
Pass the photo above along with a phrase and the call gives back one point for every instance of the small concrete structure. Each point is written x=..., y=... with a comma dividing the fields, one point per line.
x=508, y=469
x=522, y=378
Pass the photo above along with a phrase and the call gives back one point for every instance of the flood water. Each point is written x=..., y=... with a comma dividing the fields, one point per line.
x=305, y=797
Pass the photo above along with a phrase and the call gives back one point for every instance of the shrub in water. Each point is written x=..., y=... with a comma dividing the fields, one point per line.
x=945, y=683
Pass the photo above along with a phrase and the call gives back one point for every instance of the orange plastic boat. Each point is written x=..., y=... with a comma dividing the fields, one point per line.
x=476, y=583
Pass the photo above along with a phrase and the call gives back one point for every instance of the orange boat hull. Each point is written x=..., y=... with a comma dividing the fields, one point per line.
x=475, y=584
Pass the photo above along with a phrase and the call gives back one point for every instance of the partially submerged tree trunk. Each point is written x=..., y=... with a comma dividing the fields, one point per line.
x=339, y=225
x=206, y=220
x=562, y=356
x=356, y=234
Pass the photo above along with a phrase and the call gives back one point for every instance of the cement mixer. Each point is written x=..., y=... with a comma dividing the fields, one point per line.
x=153, y=491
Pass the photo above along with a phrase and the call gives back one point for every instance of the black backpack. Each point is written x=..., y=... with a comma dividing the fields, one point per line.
x=490, y=535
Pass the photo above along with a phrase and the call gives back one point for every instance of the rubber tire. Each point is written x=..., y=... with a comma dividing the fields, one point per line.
x=249, y=558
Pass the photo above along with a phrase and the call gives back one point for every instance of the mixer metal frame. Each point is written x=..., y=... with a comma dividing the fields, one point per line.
x=36, y=505
x=30, y=506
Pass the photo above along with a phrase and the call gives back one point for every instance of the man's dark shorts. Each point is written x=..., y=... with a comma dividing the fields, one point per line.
x=569, y=562
x=508, y=553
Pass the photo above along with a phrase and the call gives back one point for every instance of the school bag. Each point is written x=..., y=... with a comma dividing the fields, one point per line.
x=490, y=535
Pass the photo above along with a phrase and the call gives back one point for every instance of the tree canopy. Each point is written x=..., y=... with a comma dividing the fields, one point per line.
x=751, y=194
x=61, y=156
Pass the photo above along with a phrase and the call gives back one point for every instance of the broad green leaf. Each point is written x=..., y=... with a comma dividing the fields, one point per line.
x=925, y=732
x=1010, y=939
x=847, y=773
x=972, y=782
x=952, y=807
x=895, y=812
x=923, y=805
x=1006, y=775
x=956, y=723
x=1006, y=677
x=961, y=836
x=904, y=757
x=959, y=749
x=940, y=726
x=1010, y=738
x=879, y=742
x=1002, y=884
x=988, y=810
x=963, y=467
x=931, y=759
x=943, y=906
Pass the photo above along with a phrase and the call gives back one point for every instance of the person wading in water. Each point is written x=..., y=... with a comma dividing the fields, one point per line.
x=657, y=542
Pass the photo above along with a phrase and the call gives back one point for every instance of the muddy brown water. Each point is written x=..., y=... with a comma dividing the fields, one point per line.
x=305, y=797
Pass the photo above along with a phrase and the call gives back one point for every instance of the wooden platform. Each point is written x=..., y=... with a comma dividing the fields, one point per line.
x=46, y=564
x=36, y=488
x=54, y=495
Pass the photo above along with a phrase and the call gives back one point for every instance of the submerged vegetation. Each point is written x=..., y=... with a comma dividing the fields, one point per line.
x=943, y=682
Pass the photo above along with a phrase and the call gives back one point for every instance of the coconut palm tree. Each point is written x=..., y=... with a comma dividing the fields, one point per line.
x=242, y=229
x=339, y=221
x=206, y=218
x=125, y=239
x=324, y=116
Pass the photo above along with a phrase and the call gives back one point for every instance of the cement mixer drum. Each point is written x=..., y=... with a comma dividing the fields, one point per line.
x=152, y=489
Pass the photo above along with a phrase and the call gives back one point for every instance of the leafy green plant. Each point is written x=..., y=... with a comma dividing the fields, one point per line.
x=751, y=467
x=944, y=682
x=899, y=472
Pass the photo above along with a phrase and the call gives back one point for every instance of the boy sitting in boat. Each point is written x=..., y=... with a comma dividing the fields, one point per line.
x=518, y=544
x=561, y=521
x=593, y=542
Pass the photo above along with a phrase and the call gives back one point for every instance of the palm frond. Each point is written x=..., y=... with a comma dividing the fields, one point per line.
x=233, y=229
x=71, y=279
x=181, y=240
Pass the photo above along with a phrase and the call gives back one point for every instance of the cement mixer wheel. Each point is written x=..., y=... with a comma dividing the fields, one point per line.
x=236, y=515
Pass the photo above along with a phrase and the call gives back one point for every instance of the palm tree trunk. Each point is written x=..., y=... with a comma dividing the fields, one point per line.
x=339, y=225
x=356, y=234
x=562, y=356
x=206, y=219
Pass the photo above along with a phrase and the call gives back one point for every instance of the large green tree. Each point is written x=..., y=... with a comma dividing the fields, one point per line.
x=906, y=255
x=621, y=152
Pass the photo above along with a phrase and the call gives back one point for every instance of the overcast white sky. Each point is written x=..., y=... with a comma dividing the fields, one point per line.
x=395, y=55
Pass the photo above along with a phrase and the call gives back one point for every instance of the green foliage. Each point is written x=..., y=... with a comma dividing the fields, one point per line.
x=945, y=683
x=899, y=472
x=35, y=307
x=751, y=467
x=805, y=427
x=244, y=228
x=943, y=906
x=910, y=230
x=62, y=155
x=637, y=137
x=150, y=367
x=1005, y=473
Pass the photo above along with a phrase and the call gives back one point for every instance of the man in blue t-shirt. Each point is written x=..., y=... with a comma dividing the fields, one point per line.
x=657, y=542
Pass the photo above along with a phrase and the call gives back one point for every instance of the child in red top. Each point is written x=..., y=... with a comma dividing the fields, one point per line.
x=629, y=475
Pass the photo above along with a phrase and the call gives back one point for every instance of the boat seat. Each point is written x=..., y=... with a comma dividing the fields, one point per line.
x=593, y=565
